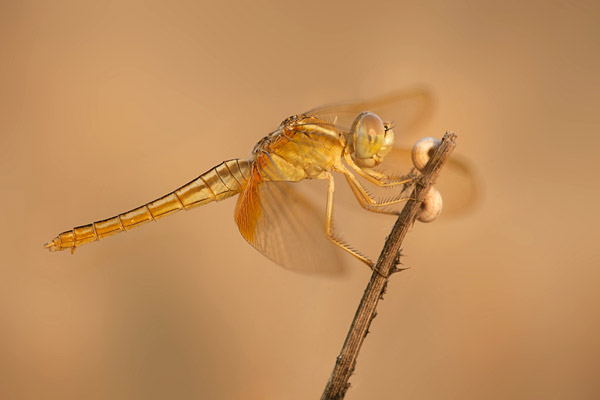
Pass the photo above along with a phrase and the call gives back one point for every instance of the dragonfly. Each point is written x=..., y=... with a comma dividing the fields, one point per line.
x=351, y=139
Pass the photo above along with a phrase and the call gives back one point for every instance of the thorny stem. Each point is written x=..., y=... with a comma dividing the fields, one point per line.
x=386, y=265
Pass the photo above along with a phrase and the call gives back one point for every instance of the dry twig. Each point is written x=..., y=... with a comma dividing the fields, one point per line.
x=386, y=265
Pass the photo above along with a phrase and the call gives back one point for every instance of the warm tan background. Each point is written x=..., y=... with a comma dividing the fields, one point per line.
x=106, y=105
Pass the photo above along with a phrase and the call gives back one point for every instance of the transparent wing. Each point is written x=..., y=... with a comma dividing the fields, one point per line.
x=457, y=182
x=404, y=109
x=286, y=227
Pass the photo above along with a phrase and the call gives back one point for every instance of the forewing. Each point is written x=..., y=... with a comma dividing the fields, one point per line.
x=403, y=109
x=286, y=227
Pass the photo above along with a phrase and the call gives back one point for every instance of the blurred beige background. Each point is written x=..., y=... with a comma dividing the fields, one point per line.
x=107, y=105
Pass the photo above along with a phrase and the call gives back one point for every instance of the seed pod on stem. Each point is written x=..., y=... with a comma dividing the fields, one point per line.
x=421, y=153
x=423, y=150
x=431, y=208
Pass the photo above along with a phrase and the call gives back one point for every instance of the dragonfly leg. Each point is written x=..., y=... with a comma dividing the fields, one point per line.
x=363, y=203
x=329, y=232
x=376, y=177
x=365, y=199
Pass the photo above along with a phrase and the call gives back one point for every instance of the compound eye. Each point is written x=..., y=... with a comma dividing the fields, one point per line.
x=369, y=134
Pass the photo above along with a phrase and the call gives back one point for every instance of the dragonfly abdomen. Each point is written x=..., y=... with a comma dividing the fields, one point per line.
x=223, y=181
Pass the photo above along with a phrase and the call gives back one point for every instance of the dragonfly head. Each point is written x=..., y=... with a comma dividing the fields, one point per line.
x=371, y=139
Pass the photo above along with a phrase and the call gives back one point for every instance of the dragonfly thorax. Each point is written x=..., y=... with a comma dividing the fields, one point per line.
x=271, y=137
x=371, y=139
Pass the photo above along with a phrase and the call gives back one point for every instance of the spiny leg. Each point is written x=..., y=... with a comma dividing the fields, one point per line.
x=370, y=204
x=363, y=203
x=365, y=199
x=329, y=227
x=376, y=177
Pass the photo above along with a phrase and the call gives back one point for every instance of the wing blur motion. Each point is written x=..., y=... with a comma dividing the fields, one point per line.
x=405, y=109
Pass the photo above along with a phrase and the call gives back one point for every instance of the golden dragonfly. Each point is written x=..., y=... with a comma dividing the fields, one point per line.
x=347, y=138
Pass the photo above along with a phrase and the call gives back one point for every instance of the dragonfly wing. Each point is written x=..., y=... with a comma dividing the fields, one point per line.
x=403, y=109
x=457, y=182
x=286, y=227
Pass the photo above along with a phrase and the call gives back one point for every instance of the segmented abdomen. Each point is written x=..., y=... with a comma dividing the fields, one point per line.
x=225, y=180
